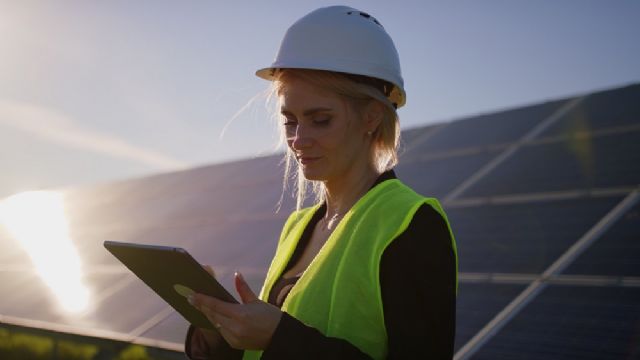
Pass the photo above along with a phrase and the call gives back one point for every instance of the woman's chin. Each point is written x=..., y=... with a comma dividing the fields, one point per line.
x=312, y=174
x=313, y=177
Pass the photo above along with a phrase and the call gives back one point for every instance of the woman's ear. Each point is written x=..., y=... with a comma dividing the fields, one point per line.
x=373, y=115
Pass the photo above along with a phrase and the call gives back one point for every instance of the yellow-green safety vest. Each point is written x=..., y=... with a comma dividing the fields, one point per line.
x=339, y=292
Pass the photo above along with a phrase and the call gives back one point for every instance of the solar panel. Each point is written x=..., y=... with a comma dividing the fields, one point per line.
x=477, y=304
x=525, y=237
x=616, y=253
x=411, y=137
x=611, y=160
x=172, y=329
x=11, y=255
x=437, y=177
x=146, y=198
x=226, y=200
x=224, y=215
x=607, y=109
x=572, y=322
x=488, y=129
x=24, y=295
x=126, y=309
x=260, y=236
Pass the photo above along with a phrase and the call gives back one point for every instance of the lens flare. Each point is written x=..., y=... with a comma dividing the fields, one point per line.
x=37, y=220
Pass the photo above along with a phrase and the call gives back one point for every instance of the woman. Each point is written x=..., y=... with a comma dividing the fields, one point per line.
x=370, y=271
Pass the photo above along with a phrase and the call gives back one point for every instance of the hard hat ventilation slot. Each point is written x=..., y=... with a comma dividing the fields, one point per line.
x=366, y=16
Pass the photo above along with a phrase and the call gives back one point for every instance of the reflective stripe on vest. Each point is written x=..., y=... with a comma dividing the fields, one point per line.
x=339, y=293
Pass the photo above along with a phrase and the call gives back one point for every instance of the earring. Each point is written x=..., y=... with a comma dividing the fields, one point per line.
x=369, y=133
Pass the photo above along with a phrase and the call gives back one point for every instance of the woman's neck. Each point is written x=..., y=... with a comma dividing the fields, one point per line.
x=341, y=195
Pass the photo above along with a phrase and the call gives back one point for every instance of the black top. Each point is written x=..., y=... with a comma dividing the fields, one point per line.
x=418, y=284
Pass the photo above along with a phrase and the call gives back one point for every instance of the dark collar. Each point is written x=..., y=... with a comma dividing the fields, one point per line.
x=387, y=175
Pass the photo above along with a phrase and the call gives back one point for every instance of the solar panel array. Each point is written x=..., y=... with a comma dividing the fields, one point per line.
x=543, y=200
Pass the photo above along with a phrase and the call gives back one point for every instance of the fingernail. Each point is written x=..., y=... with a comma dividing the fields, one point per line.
x=190, y=300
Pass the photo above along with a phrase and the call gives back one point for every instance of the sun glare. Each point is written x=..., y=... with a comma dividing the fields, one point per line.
x=36, y=219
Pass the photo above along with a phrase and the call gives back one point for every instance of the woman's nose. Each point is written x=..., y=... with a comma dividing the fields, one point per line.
x=299, y=138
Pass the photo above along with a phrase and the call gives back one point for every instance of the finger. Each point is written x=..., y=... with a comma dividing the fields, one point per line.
x=246, y=294
x=228, y=336
x=225, y=326
x=219, y=321
x=200, y=301
x=209, y=270
x=221, y=324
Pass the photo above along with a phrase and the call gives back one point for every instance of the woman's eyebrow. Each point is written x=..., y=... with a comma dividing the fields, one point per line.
x=308, y=112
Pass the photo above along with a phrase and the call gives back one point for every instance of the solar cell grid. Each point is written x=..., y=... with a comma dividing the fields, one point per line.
x=477, y=304
x=410, y=136
x=162, y=218
x=226, y=202
x=611, y=160
x=437, y=177
x=12, y=254
x=91, y=250
x=249, y=243
x=616, y=253
x=127, y=308
x=172, y=329
x=129, y=197
x=25, y=295
x=100, y=283
x=248, y=172
x=522, y=238
x=489, y=129
x=268, y=197
x=572, y=322
x=607, y=109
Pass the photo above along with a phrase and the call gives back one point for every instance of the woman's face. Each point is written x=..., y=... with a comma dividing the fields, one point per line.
x=323, y=131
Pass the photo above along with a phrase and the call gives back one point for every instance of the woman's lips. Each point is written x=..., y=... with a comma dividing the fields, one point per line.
x=305, y=160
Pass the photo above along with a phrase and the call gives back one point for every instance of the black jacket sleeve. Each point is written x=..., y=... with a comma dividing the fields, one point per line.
x=418, y=282
x=198, y=348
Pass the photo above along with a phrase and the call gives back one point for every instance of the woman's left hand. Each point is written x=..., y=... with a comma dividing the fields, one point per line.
x=247, y=326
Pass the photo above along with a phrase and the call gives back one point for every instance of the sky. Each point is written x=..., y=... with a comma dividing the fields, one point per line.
x=98, y=91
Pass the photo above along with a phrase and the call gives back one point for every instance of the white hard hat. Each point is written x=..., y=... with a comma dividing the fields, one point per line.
x=341, y=39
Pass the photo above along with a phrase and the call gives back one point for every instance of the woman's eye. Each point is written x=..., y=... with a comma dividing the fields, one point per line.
x=288, y=122
x=321, y=120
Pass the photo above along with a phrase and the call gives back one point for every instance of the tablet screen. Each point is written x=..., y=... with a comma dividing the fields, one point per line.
x=173, y=274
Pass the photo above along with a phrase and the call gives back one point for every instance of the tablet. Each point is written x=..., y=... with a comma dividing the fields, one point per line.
x=173, y=274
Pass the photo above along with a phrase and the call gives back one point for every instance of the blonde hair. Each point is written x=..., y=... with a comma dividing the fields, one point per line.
x=359, y=91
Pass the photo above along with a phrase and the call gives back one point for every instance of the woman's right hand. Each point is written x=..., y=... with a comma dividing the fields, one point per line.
x=248, y=325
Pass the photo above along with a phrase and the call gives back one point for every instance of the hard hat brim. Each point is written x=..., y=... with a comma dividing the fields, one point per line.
x=397, y=96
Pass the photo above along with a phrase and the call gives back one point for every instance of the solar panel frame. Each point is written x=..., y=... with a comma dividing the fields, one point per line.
x=477, y=304
x=616, y=253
